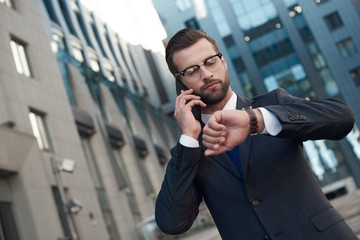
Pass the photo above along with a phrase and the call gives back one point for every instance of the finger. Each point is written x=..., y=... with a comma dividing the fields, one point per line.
x=214, y=145
x=209, y=134
x=184, y=99
x=194, y=102
x=209, y=141
x=213, y=128
x=209, y=152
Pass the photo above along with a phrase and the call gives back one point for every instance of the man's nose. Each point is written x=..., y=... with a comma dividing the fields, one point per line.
x=204, y=72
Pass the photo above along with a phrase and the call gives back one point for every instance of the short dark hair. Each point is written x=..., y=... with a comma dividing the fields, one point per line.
x=184, y=39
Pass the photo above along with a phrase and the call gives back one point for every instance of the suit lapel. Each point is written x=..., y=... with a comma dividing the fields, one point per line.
x=223, y=159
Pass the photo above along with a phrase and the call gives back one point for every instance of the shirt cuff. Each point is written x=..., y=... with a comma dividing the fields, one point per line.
x=271, y=122
x=187, y=141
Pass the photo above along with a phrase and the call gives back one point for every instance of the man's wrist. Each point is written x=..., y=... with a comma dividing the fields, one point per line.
x=253, y=128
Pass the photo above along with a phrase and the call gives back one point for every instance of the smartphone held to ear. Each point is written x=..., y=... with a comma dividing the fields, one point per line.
x=196, y=110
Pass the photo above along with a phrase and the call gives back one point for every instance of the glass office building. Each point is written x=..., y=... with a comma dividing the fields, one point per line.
x=308, y=47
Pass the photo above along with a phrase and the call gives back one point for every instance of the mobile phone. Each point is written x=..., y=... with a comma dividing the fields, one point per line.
x=196, y=110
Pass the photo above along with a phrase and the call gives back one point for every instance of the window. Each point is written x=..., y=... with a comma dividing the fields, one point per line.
x=347, y=47
x=40, y=131
x=9, y=4
x=100, y=188
x=20, y=58
x=183, y=5
x=59, y=206
x=355, y=74
x=333, y=21
x=69, y=86
x=7, y=223
x=192, y=23
x=127, y=188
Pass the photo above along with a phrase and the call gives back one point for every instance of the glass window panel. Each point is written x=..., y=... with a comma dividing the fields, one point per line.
x=347, y=48
x=23, y=60
x=251, y=5
x=20, y=59
x=271, y=83
x=333, y=21
x=40, y=131
x=8, y=229
x=355, y=75
x=7, y=3
x=331, y=87
x=354, y=139
x=257, y=17
x=238, y=9
x=298, y=72
x=183, y=5
x=244, y=22
x=224, y=29
x=90, y=159
x=270, y=10
x=16, y=56
x=78, y=55
x=110, y=225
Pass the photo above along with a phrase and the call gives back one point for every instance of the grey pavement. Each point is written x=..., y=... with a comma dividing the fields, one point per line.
x=206, y=234
x=349, y=208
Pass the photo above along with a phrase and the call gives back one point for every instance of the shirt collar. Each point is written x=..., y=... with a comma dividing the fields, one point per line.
x=230, y=105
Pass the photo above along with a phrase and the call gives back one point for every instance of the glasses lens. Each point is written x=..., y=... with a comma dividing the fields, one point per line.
x=192, y=73
x=213, y=64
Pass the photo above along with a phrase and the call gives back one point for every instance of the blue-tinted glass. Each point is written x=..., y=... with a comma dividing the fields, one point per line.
x=279, y=66
x=257, y=17
x=251, y=5
x=270, y=10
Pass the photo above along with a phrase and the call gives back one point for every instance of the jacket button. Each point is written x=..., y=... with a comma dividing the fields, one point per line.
x=255, y=203
x=266, y=237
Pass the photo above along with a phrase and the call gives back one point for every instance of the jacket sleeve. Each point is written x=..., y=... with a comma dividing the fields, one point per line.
x=177, y=204
x=311, y=120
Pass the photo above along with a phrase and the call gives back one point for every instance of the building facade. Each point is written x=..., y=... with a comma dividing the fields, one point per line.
x=311, y=48
x=74, y=92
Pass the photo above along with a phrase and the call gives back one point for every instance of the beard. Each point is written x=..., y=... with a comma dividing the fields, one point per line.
x=214, y=96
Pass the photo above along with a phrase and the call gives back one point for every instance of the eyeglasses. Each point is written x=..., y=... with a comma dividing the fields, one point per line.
x=192, y=73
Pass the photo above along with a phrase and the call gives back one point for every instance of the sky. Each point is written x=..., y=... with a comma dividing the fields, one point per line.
x=136, y=20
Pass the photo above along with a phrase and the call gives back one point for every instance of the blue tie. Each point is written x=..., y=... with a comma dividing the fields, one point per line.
x=234, y=156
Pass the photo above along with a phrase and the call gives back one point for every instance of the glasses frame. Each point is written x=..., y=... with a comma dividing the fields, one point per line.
x=182, y=73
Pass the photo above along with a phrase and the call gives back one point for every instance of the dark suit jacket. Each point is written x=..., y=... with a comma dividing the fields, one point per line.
x=277, y=196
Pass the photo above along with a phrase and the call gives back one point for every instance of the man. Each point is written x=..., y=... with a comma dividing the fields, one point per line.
x=263, y=188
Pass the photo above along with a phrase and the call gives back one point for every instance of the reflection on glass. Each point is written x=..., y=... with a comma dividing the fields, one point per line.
x=320, y=157
x=353, y=138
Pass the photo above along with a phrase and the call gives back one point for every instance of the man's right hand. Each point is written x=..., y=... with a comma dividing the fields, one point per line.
x=183, y=115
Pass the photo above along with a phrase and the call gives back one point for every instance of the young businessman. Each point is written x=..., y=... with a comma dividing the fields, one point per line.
x=245, y=158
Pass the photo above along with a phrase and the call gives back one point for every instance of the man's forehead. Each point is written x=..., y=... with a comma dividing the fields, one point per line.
x=194, y=54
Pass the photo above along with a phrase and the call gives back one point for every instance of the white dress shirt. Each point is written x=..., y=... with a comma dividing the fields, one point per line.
x=271, y=122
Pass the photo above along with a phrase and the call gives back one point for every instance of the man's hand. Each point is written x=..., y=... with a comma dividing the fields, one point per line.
x=184, y=103
x=227, y=129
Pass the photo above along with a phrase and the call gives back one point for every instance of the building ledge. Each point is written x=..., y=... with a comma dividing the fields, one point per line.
x=14, y=148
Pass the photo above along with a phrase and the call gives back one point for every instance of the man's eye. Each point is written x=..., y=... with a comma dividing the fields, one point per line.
x=210, y=61
x=191, y=71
